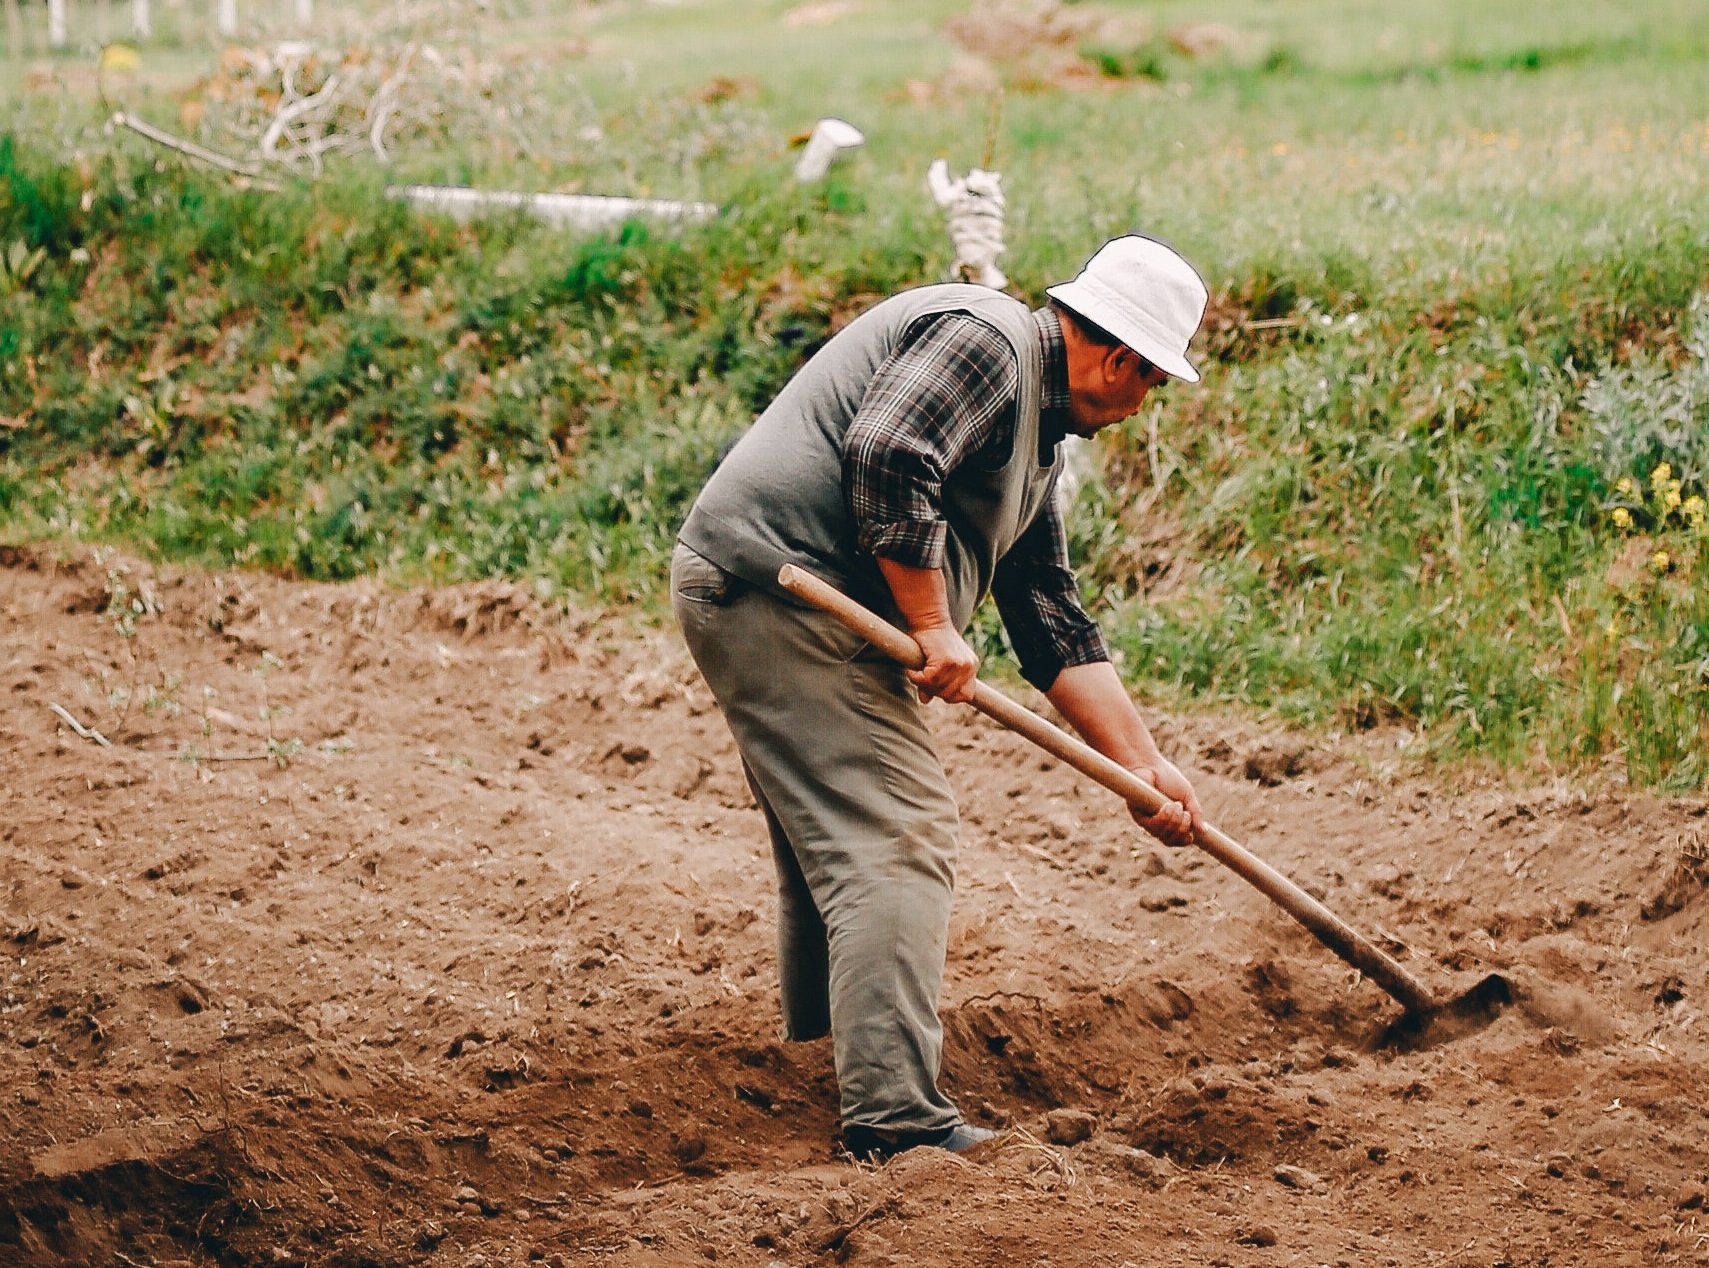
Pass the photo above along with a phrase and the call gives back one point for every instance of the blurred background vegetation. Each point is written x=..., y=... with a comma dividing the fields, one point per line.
x=1444, y=474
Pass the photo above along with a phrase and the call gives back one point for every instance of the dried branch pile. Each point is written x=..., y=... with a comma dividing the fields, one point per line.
x=413, y=76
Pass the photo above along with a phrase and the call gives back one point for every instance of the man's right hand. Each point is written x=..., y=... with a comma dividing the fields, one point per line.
x=923, y=599
x=951, y=666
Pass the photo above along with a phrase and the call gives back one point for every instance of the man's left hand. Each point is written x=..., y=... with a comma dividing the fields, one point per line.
x=1179, y=822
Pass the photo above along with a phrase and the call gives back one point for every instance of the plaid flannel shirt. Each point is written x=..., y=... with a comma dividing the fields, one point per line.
x=946, y=397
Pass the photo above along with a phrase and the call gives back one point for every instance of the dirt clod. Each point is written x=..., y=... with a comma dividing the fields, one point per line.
x=1162, y=897
x=1298, y=1177
x=689, y=1148
x=1148, y=1167
x=1273, y=764
x=1069, y=1126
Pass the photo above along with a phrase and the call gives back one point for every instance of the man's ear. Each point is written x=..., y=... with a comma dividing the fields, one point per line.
x=1114, y=367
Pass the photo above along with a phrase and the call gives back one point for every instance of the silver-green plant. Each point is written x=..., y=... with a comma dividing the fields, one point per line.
x=1651, y=414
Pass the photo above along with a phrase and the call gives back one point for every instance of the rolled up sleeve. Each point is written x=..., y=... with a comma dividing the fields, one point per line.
x=1039, y=601
x=930, y=407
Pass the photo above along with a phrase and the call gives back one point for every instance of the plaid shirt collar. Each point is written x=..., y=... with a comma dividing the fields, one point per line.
x=1053, y=392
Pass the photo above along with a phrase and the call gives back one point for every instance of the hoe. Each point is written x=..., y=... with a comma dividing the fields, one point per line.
x=1425, y=1017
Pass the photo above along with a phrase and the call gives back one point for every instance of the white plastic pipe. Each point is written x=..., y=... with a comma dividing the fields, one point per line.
x=576, y=211
x=305, y=13
x=830, y=140
x=141, y=22
x=226, y=17
x=56, y=23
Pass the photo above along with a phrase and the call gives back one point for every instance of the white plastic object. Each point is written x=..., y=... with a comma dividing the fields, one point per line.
x=973, y=206
x=577, y=211
x=830, y=140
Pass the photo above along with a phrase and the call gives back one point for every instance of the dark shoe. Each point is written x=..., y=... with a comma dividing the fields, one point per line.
x=874, y=1144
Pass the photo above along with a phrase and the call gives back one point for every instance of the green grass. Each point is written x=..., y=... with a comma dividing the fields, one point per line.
x=1470, y=241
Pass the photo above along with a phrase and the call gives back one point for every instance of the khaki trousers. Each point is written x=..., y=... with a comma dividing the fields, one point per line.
x=863, y=831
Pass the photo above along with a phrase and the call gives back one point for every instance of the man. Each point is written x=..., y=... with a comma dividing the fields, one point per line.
x=912, y=463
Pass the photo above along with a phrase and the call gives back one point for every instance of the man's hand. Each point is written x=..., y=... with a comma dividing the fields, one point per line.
x=950, y=669
x=923, y=599
x=1096, y=704
x=1177, y=823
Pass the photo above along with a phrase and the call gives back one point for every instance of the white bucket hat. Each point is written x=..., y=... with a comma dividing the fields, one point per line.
x=1144, y=294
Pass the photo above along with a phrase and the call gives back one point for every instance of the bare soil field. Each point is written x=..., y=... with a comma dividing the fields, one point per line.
x=430, y=927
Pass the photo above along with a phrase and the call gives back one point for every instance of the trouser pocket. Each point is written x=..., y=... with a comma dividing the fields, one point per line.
x=696, y=579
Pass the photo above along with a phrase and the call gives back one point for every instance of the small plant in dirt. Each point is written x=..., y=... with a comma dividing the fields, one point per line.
x=280, y=752
x=163, y=700
x=125, y=602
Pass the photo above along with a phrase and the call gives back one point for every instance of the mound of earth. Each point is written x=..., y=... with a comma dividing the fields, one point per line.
x=381, y=927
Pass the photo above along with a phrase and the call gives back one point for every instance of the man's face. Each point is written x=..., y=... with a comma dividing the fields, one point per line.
x=1107, y=385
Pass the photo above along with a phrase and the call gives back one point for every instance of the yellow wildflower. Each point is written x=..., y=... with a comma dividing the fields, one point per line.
x=1625, y=488
x=1661, y=475
x=1659, y=561
x=1670, y=497
x=119, y=57
x=1622, y=519
x=1693, y=511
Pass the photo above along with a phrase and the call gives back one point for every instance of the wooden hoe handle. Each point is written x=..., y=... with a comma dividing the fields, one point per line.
x=1323, y=924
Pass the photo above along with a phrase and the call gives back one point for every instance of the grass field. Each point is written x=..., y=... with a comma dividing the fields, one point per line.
x=1454, y=255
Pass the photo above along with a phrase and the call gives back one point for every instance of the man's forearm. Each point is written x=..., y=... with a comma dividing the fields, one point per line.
x=1096, y=704
x=1094, y=701
x=920, y=594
